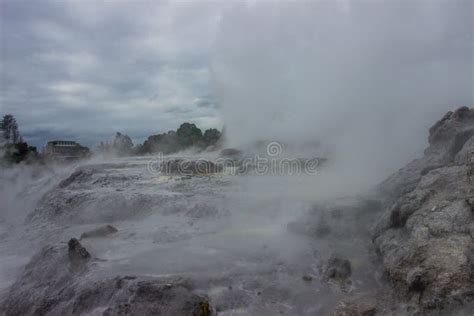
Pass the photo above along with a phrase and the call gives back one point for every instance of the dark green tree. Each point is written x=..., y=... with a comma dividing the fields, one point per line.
x=14, y=149
x=189, y=135
x=9, y=129
x=211, y=136
x=21, y=151
x=122, y=144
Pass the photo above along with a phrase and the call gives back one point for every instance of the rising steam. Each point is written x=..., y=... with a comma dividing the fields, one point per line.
x=364, y=78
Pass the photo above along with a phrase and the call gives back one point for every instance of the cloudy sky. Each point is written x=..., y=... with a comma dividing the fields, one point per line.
x=342, y=71
x=85, y=69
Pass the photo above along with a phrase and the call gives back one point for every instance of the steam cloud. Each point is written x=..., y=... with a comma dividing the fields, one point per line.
x=366, y=78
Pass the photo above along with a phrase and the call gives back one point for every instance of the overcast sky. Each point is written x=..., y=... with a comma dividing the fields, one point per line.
x=85, y=69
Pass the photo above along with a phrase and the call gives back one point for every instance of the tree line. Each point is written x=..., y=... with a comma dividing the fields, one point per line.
x=187, y=136
x=13, y=149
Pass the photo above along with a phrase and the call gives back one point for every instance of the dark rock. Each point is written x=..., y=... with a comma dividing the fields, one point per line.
x=435, y=132
x=463, y=113
x=396, y=219
x=307, y=278
x=48, y=286
x=231, y=153
x=203, y=309
x=77, y=252
x=415, y=280
x=79, y=175
x=338, y=268
x=101, y=231
x=359, y=306
x=470, y=202
x=202, y=210
x=189, y=167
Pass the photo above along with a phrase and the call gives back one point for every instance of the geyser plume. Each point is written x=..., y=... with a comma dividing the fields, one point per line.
x=364, y=78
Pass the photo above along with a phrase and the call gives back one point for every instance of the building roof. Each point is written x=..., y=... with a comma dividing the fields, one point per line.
x=63, y=143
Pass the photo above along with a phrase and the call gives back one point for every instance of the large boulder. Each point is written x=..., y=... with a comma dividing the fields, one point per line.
x=425, y=235
x=450, y=141
x=100, y=193
x=59, y=281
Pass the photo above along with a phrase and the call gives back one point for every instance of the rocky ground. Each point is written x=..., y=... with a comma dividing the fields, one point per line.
x=425, y=235
x=159, y=242
x=123, y=238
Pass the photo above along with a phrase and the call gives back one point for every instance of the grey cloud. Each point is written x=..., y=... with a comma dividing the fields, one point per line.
x=175, y=110
x=88, y=69
x=206, y=101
